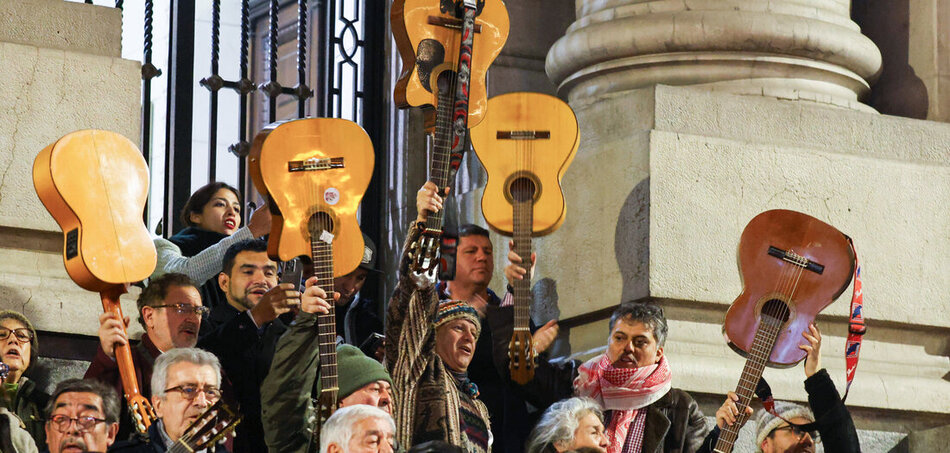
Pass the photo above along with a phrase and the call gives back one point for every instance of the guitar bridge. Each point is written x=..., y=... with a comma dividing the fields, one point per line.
x=315, y=164
x=455, y=24
x=523, y=135
x=796, y=259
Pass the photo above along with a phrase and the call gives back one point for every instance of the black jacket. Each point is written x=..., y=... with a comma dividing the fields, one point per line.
x=154, y=444
x=835, y=426
x=246, y=353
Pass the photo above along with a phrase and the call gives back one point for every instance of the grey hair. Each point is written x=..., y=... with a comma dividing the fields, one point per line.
x=178, y=355
x=559, y=423
x=110, y=399
x=648, y=314
x=338, y=429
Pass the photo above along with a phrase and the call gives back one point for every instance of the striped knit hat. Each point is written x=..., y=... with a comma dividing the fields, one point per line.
x=450, y=310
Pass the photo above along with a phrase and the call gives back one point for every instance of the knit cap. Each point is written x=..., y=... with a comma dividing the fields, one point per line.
x=765, y=422
x=355, y=370
x=450, y=310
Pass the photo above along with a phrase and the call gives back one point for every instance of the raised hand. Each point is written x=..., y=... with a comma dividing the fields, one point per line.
x=428, y=201
x=728, y=413
x=112, y=332
x=275, y=302
x=314, y=298
x=513, y=271
x=544, y=337
x=259, y=223
x=813, y=348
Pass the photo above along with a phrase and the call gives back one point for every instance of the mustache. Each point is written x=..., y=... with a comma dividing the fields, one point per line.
x=76, y=441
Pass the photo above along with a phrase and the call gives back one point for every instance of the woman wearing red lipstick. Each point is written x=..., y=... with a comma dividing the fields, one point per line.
x=213, y=218
x=19, y=394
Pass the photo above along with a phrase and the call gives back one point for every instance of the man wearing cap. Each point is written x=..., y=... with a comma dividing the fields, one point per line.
x=429, y=347
x=774, y=434
x=357, y=317
x=289, y=414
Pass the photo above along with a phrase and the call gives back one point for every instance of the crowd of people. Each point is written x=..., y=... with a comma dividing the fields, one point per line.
x=430, y=377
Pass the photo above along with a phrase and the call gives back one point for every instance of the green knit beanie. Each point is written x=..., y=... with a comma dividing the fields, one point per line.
x=355, y=370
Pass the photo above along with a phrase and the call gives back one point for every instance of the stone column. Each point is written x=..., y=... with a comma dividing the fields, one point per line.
x=797, y=49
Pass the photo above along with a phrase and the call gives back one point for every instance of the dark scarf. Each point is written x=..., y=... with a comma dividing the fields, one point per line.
x=192, y=241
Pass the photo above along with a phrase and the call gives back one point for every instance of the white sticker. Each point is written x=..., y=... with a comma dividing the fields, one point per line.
x=367, y=255
x=326, y=237
x=331, y=196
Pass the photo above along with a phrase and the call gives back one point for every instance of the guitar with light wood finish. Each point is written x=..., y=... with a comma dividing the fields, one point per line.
x=315, y=171
x=95, y=184
x=430, y=36
x=210, y=428
x=792, y=266
x=525, y=145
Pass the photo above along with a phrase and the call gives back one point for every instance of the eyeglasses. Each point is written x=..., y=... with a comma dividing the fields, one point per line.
x=186, y=309
x=23, y=334
x=798, y=432
x=190, y=392
x=85, y=423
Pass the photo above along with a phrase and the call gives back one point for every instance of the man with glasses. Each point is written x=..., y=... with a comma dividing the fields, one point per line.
x=170, y=310
x=82, y=415
x=797, y=429
x=185, y=383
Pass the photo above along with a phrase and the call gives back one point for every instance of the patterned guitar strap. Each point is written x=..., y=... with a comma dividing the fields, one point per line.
x=856, y=331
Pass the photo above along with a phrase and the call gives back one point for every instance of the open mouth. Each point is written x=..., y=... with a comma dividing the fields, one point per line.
x=189, y=330
x=230, y=224
x=466, y=349
x=13, y=353
x=258, y=291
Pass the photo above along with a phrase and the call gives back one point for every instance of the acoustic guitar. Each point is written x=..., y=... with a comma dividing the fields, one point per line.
x=315, y=171
x=210, y=428
x=431, y=37
x=792, y=267
x=525, y=144
x=446, y=82
x=95, y=184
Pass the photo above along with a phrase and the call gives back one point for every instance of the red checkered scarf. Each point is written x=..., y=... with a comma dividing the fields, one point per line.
x=624, y=391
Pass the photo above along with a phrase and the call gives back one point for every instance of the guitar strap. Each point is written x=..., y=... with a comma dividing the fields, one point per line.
x=856, y=331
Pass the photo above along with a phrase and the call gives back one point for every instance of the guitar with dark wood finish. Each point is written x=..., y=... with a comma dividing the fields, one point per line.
x=525, y=145
x=792, y=267
x=315, y=171
x=430, y=36
x=95, y=184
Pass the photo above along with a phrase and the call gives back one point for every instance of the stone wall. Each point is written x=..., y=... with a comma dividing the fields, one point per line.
x=61, y=72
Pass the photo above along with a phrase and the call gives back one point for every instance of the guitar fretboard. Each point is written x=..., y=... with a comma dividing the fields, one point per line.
x=759, y=354
x=322, y=255
x=523, y=221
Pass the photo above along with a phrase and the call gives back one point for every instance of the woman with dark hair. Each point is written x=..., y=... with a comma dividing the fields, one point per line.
x=19, y=394
x=213, y=218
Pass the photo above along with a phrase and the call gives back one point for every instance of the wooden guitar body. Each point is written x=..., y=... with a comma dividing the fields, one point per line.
x=427, y=36
x=766, y=277
x=333, y=191
x=254, y=170
x=95, y=184
x=543, y=160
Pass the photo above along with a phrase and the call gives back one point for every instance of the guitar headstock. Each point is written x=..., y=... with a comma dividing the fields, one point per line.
x=521, y=357
x=141, y=411
x=424, y=253
x=325, y=404
x=210, y=427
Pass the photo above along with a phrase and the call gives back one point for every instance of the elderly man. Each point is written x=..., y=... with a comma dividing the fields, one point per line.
x=569, y=425
x=170, y=312
x=288, y=412
x=358, y=429
x=776, y=435
x=632, y=381
x=185, y=383
x=429, y=347
x=82, y=415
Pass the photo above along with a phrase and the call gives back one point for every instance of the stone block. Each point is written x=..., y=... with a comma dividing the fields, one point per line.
x=934, y=439
x=56, y=24
x=50, y=93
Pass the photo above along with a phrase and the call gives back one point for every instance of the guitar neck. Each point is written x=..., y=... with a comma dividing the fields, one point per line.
x=123, y=354
x=522, y=223
x=451, y=124
x=322, y=255
x=759, y=354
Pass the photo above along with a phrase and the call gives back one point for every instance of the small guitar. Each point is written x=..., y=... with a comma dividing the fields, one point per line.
x=431, y=35
x=210, y=428
x=95, y=184
x=525, y=145
x=315, y=171
x=792, y=267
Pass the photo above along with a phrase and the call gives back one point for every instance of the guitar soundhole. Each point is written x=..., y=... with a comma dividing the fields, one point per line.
x=320, y=222
x=522, y=189
x=776, y=309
